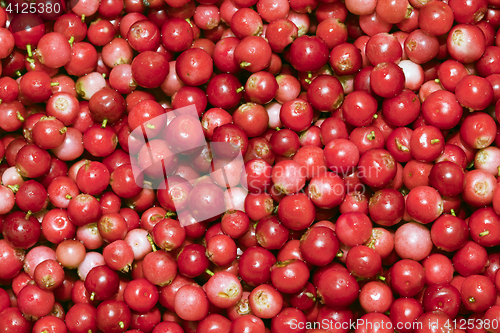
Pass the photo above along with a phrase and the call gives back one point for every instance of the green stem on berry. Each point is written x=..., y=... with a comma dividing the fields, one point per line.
x=311, y=296
x=170, y=215
x=19, y=116
x=152, y=243
x=13, y=188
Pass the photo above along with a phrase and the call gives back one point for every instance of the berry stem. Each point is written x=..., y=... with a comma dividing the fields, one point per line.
x=484, y=233
x=19, y=116
x=153, y=246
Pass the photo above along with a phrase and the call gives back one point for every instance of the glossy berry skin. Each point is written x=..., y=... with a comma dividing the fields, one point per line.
x=254, y=266
x=424, y=204
x=377, y=168
x=326, y=93
x=49, y=133
x=474, y=92
x=376, y=296
x=477, y=130
x=426, y=143
x=337, y=288
x=253, y=54
x=386, y=207
x=12, y=259
x=407, y=277
x=194, y=67
x=150, y=69
x=477, y=291
x=113, y=316
x=12, y=320
x=223, y=290
x=363, y=262
x=21, y=230
x=248, y=323
x=224, y=91
x=387, y=80
x=32, y=161
x=93, y=178
x=102, y=282
x=271, y=234
x=296, y=114
x=319, y=246
x=265, y=301
x=308, y=53
x=405, y=310
x=289, y=276
x=140, y=295
x=35, y=302
x=483, y=225
x=441, y=109
x=449, y=233
x=442, y=297
x=448, y=178
x=296, y=211
x=191, y=297
x=192, y=260
x=359, y=108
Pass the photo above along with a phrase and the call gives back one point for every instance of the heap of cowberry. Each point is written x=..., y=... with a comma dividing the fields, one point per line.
x=235, y=166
